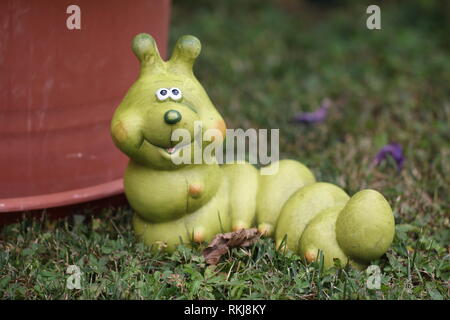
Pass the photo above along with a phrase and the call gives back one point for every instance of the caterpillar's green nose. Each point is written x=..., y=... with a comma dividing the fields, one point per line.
x=172, y=117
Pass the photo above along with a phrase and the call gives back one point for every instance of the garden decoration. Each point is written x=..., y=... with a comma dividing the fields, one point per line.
x=176, y=203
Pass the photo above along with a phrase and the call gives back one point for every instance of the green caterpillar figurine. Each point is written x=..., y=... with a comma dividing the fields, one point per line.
x=177, y=203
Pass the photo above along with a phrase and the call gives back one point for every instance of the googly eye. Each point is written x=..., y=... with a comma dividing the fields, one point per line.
x=175, y=94
x=162, y=94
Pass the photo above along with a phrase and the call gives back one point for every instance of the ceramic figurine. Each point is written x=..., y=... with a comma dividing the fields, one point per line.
x=194, y=202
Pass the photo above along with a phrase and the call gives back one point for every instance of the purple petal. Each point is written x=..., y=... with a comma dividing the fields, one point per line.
x=395, y=151
x=316, y=116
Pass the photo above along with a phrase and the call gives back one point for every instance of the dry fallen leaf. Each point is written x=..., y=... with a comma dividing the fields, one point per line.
x=225, y=241
x=176, y=279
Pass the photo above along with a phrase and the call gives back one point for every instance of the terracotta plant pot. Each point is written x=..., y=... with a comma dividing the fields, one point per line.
x=58, y=91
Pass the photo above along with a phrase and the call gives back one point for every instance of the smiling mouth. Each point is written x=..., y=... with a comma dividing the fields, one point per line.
x=168, y=153
x=173, y=150
x=170, y=150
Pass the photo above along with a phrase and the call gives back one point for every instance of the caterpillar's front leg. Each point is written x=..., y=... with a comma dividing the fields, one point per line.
x=242, y=189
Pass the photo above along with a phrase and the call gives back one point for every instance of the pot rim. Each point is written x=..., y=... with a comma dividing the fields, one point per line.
x=64, y=198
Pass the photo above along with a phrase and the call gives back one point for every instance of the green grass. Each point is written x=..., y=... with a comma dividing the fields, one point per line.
x=262, y=62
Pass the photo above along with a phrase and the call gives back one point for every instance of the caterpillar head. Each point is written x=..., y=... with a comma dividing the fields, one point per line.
x=165, y=97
